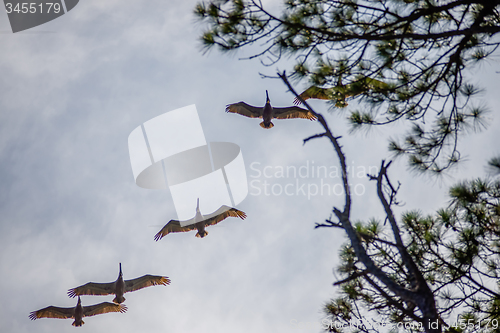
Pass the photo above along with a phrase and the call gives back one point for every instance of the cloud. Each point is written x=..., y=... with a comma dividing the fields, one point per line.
x=69, y=208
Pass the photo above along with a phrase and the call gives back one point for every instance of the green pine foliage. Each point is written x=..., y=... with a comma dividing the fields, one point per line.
x=457, y=250
x=406, y=60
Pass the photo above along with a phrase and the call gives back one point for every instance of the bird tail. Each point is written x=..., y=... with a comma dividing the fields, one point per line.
x=201, y=236
x=271, y=125
x=118, y=301
x=78, y=324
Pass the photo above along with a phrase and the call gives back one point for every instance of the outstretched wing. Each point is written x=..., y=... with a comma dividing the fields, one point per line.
x=146, y=281
x=292, y=112
x=53, y=312
x=245, y=110
x=93, y=288
x=313, y=92
x=361, y=84
x=228, y=212
x=104, y=307
x=173, y=226
x=373, y=84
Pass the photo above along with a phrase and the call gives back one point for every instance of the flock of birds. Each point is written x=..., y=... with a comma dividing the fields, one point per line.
x=267, y=113
x=117, y=288
x=120, y=286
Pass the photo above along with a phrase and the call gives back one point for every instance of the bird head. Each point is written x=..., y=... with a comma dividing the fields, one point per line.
x=120, y=274
x=267, y=98
x=79, y=301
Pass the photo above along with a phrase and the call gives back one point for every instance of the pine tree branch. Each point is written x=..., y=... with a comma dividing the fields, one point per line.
x=426, y=304
x=407, y=259
x=343, y=36
x=351, y=277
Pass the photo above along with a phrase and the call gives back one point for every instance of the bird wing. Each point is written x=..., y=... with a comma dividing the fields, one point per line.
x=104, y=307
x=313, y=92
x=229, y=212
x=360, y=85
x=245, y=110
x=146, y=281
x=93, y=288
x=292, y=112
x=363, y=84
x=53, y=312
x=173, y=226
x=373, y=84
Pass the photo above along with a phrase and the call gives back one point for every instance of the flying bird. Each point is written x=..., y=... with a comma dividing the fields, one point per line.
x=222, y=213
x=119, y=287
x=340, y=92
x=267, y=113
x=78, y=312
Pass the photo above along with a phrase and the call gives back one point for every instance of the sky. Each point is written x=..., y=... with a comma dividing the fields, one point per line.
x=71, y=92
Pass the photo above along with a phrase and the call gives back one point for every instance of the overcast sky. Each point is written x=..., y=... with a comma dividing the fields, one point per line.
x=72, y=90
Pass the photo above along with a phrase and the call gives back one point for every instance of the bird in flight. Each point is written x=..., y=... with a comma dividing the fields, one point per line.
x=119, y=287
x=78, y=312
x=222, y=213
x=267, y=113
x=340, y=92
